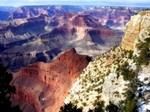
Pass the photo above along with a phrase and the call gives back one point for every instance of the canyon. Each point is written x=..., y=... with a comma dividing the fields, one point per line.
x=42, y=33
x=57, y=54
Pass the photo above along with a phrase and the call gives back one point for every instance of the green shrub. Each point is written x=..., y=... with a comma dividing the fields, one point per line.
x=126, y=72
x=111, y=107
x=6, y=91
x=144, y=57
x=99, y=107
x=84, y=104
x=69, y=108
x=129, y=106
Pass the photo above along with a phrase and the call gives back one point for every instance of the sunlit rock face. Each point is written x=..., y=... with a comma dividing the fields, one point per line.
x=134, y=29
x=42, y=87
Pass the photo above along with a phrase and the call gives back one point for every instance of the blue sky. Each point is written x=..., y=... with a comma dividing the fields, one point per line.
x=17, y=3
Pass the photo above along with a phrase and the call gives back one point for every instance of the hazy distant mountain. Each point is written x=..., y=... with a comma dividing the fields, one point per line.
x=5, y=12
x=32, y=11
x=6, y=8
x=4, y=15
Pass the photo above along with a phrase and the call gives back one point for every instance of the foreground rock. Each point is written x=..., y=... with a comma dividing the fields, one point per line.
x=42, y=87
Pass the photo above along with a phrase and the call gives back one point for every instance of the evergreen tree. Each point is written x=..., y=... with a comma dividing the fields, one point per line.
x=6, y=90
x=69, y=108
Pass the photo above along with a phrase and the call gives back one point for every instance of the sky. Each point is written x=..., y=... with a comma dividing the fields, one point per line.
x=16, y=3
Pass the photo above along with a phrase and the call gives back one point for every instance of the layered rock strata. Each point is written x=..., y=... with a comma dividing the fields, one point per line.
x=44, y=86
x=133, y=29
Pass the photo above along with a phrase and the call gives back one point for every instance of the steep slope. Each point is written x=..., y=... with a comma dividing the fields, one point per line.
x=118, y=77
x=42, y=87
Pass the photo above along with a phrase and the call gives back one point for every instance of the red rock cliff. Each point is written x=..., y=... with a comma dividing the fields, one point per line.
x=42, y=87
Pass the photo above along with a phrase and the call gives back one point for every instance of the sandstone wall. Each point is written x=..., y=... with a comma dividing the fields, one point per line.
x=133, y=29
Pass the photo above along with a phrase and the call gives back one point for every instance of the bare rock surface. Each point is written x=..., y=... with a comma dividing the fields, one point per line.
x=44, y=86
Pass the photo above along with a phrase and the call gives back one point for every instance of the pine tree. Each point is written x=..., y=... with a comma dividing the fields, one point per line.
x=6, y=90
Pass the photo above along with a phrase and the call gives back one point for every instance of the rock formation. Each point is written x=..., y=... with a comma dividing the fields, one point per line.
x=42, y=87
x=133, y=29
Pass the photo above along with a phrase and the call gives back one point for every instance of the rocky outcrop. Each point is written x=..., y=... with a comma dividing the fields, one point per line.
x=84, y=21
x=44, y=86
x=133, y=29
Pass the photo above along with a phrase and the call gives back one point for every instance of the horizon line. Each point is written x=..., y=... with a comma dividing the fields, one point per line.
x=75, y=5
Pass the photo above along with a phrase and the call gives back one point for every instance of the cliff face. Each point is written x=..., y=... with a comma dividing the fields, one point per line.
x=42, y=87
x=133, y=29
x=119, y=75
